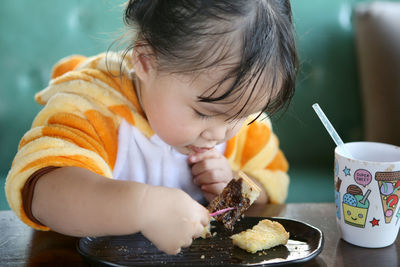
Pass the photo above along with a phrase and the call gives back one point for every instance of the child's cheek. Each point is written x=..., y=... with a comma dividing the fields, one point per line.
x=176, y=135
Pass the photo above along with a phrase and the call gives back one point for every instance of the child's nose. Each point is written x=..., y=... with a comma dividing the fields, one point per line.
x=215, y=133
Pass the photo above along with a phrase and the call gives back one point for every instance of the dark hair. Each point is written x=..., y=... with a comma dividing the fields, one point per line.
x=193, y=35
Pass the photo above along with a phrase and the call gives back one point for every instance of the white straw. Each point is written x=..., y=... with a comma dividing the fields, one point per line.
x=332, y=132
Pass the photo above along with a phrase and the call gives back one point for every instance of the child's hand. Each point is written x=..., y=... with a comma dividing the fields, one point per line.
x=211, y=171
x=171, y=218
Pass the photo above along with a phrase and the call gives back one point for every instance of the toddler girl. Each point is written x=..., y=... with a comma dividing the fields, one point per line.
x=171, y=119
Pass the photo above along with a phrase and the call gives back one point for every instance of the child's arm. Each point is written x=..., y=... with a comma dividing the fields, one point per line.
x=78, y=202
x=85, y=102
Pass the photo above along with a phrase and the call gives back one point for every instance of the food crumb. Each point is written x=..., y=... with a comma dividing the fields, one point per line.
x=214, y=234
x=202, y=257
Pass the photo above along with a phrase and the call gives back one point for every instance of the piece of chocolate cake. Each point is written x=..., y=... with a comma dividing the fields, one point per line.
x=239, y=193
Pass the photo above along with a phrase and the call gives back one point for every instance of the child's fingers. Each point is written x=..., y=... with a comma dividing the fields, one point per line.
x=205, y=219
x=211, y=177
x=212, y=153
x=204, y=216
x=170, y=250
x=208, y=164
x=200, y=230
x=187, y=243
x=213, y=188
x=209, y=196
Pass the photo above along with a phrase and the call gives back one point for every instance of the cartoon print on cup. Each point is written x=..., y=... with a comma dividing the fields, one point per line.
x=355, y=206
x=346, y=171
x=362, y=177
x=374, y=222
x=369, y=193
x=397, y=216
x=336, y=168
x=337, y=196
x=389, y=189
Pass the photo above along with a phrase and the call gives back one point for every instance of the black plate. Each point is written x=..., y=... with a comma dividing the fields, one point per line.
x=305, y=242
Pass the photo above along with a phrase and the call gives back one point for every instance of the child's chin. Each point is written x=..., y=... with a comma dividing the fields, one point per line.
x=183, y=150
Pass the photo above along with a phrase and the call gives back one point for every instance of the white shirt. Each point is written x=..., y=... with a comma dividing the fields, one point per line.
x=152, y=161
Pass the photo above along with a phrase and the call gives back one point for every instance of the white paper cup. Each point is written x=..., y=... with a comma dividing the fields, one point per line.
x=367, y=193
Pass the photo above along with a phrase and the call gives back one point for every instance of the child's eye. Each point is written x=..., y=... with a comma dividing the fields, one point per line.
x=201, y=115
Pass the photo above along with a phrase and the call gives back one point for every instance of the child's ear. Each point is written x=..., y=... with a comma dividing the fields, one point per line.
x=143, y=62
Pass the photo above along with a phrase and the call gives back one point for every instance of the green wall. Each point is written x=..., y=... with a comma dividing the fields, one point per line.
x=35, y=34
x=328, y=76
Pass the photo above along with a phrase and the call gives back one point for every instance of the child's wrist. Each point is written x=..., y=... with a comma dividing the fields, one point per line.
x=138, y=205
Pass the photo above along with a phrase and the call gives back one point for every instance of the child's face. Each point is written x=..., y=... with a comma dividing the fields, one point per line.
x=171, y=104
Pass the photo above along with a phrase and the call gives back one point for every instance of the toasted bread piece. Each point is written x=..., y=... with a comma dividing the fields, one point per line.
x=266, y=234
x=239, y=193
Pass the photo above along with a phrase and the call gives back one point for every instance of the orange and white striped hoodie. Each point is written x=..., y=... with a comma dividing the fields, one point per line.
x=92, y=119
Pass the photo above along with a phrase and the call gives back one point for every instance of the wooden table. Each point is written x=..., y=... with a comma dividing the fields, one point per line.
x=20, y=245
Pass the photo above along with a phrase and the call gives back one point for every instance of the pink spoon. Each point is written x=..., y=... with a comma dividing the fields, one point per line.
x=218, y=212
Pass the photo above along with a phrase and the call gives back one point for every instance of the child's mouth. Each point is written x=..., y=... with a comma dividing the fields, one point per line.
x=197, y=149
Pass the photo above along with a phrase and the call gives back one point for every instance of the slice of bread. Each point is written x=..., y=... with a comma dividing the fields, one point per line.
x=266, y=234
